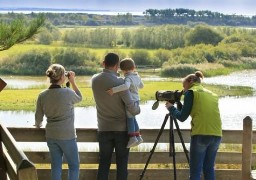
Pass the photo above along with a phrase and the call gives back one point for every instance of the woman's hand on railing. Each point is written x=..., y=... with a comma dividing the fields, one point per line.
x=38, y=125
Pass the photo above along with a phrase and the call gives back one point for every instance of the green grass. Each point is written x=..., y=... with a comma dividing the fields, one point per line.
x=100, y=52
x=25, y=99
x=209, y=69
x=224, y=90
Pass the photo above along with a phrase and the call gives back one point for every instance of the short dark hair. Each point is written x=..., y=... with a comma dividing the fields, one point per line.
x=111, y=59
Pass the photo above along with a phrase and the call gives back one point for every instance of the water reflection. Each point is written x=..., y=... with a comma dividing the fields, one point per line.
x=232, y=109
x=242, y=78
x=22, y=82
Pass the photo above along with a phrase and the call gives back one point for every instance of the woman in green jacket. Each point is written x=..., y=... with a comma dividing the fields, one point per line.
x=206, y=128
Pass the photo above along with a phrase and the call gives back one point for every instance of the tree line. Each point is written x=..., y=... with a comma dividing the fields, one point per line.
x=149, y=17
x=165, y=36
x=175, y=48
x=155, y=37
x=233, y=48
x=186, y=16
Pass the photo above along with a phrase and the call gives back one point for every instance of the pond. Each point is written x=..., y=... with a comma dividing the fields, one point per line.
x=232, y=109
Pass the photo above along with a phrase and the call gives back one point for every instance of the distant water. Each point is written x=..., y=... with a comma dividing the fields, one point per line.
x=103, y=12
x=242, y=78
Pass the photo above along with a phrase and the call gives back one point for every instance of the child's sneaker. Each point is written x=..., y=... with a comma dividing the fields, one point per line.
x=132, y=142
x=139, y=140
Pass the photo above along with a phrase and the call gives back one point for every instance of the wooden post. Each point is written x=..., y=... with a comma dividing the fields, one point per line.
x=3, y=174
x=26, y=171
x=247, y=148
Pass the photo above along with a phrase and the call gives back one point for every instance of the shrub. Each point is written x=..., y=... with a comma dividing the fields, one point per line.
x=178, y=71
x=45, y=38
x=141, y=57
x=82, y=62
x=34, y=62
x=83, y=70
x=68, y=57
x=162, y=55
x=204, y=35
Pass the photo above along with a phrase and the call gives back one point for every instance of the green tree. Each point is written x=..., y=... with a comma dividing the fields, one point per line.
x=18, y=31
x=103, y=37
x=45, y=37
x=127, y=37
x=163, y=55
x=204, y=35
x=68, y=57
x=76, y=36
x=141, y=57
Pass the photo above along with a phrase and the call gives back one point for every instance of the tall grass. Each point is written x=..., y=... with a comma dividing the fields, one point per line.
x=22, y=48
x=208, y=69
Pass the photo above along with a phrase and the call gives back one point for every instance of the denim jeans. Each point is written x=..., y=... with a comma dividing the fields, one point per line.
x=108, y=141
x=132, y=125
x=203, y=151
x=69, y=149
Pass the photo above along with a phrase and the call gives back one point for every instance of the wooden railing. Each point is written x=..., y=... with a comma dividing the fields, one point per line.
x=13, y=160
x=230, y=164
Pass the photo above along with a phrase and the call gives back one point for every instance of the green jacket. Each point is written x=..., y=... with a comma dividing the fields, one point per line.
x=205, y=112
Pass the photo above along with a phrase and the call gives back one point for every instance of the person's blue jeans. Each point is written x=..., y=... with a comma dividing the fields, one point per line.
x=108, y=141
x=132, y=125
x=69, y=149
x=203, y=151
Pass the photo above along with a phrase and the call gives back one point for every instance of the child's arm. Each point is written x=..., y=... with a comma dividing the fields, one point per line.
x=141, y=85
x=122, y=87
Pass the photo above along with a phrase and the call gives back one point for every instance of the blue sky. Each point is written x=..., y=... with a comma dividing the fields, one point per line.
x=245, y=7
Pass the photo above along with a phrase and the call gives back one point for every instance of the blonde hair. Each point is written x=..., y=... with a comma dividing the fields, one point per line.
x=196, y=77
x=55, y=72
x=127, y=64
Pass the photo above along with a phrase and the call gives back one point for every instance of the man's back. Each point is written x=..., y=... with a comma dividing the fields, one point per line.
x=110, y=109
x=111, y=116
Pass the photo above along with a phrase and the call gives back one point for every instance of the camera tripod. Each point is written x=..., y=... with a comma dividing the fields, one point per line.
x=171, y=143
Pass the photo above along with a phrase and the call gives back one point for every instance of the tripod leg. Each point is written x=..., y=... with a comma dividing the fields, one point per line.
x=171, y=138
x=181, y=139
x=172, y=147
x=154, y=147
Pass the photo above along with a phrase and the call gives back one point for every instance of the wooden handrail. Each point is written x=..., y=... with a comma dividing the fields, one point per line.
x=243, y=158
x=3, y=167
x=90, y=135
x=25, y=169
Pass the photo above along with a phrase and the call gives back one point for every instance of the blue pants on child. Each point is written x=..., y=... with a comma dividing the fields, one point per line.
x=132, y=124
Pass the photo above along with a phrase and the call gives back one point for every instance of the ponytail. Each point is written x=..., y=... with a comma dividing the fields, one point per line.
x=196, y=77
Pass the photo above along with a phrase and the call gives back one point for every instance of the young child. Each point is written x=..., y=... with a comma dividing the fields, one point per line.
x=133, y=83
